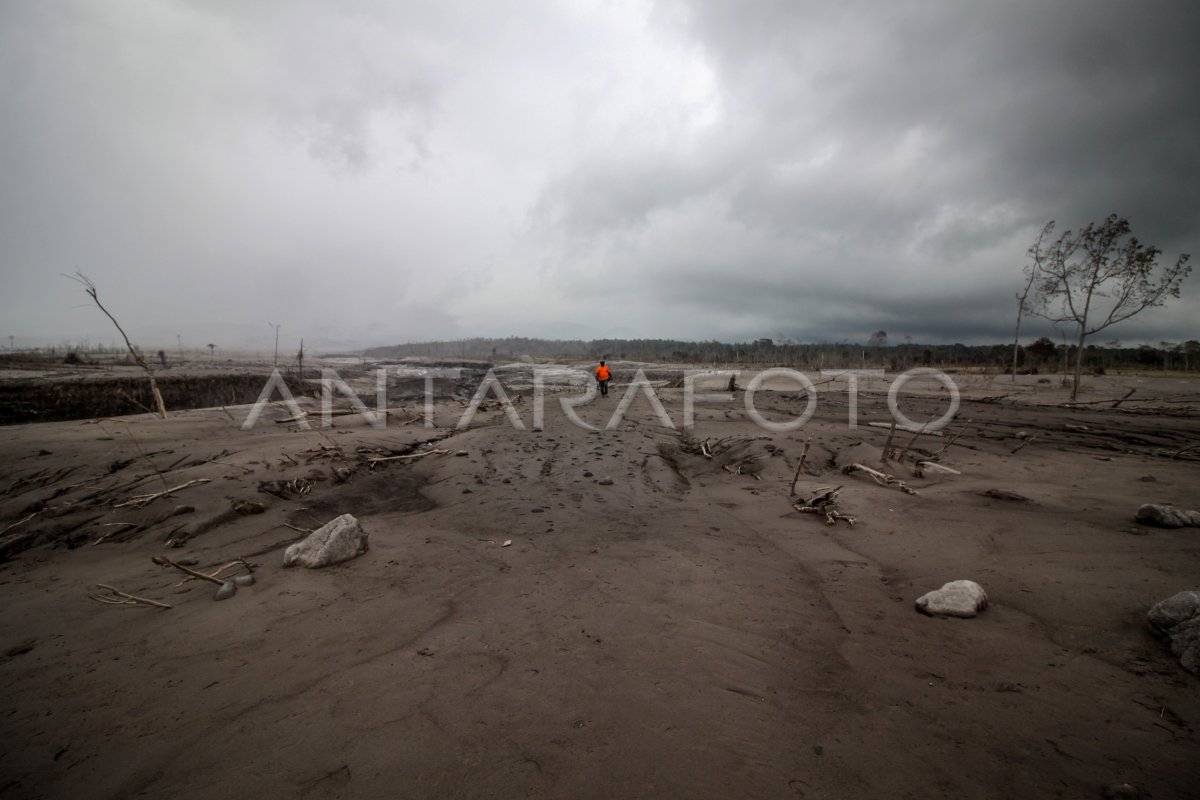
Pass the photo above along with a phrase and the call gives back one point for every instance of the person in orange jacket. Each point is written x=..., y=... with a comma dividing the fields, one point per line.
x=603, y=376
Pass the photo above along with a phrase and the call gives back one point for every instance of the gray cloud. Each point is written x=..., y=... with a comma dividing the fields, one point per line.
x=688, y=169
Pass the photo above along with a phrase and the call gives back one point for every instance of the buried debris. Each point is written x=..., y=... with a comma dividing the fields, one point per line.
x=825, y=502
x=1002, y=494
x=1177, y=619
x=1163, y=516
x=341, y=539
x=956, y=599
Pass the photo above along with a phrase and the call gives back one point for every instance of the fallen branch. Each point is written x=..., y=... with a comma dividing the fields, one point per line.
x=143, y=500
x=911, y=442
x=921, y=466
x=120, y=598
x=882, y=478
x=216, y=574
x=953, y=439
x=21, y=522
x=1016, y=449
x=1128, y=395
x=163, y=561
x=114, y=525
x=909, y=428
x=421, y=454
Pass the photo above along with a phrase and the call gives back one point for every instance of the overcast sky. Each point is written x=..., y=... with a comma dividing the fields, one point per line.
x=377, y=172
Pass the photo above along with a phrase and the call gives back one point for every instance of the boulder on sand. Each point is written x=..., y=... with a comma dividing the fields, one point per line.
x=1177, y=619
x=1162, y=516
x=340, y=539
x=955, y=599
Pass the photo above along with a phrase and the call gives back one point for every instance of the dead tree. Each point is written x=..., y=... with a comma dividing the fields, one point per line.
x=90, y=288
x=1031, y=275
x=1099, y=277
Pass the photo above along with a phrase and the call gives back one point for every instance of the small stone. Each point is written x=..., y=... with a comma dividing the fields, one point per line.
x=605, y=481
x=1122, y=791
x=956, y=599
x=244, y=580
x=228, y=589
x=461, y=453
x=339, y=540
x=182, y=510
x=1177, y=619
x=587, y=473
x=1148, y=479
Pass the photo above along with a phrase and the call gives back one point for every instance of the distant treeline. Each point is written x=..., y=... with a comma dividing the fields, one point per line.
x=1042, y=354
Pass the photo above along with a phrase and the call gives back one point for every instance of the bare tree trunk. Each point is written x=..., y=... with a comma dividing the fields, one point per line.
x=1017, y=343
x=1024, y=296
x=1078, y=363
x=90, y=288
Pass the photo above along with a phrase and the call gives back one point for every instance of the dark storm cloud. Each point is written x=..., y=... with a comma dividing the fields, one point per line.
x=386, y=171
x=897, y=152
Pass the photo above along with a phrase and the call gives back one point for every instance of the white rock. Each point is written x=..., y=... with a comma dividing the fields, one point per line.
x=955, y=599
x=1177, y=619
x=1162, y=516
x=339, y=540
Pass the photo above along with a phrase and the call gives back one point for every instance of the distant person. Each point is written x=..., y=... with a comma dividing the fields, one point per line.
x=603, y=376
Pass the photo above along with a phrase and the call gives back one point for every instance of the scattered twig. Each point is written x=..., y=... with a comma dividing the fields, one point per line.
x=117, y=525
x=953, y=439
x=882, y=478
x=921, y=466
x=1128, y=395
x=163, y=561
x=216, y=575
x=911, y=442
x=1022, y=444
x=143, y=500
x=120, y=598
x=21, y=521
x=421, y=454
x=908, y=428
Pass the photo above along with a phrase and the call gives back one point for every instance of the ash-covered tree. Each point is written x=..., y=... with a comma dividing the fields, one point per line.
x=1098, y=277
x=1031, y=275
x=878, y=339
